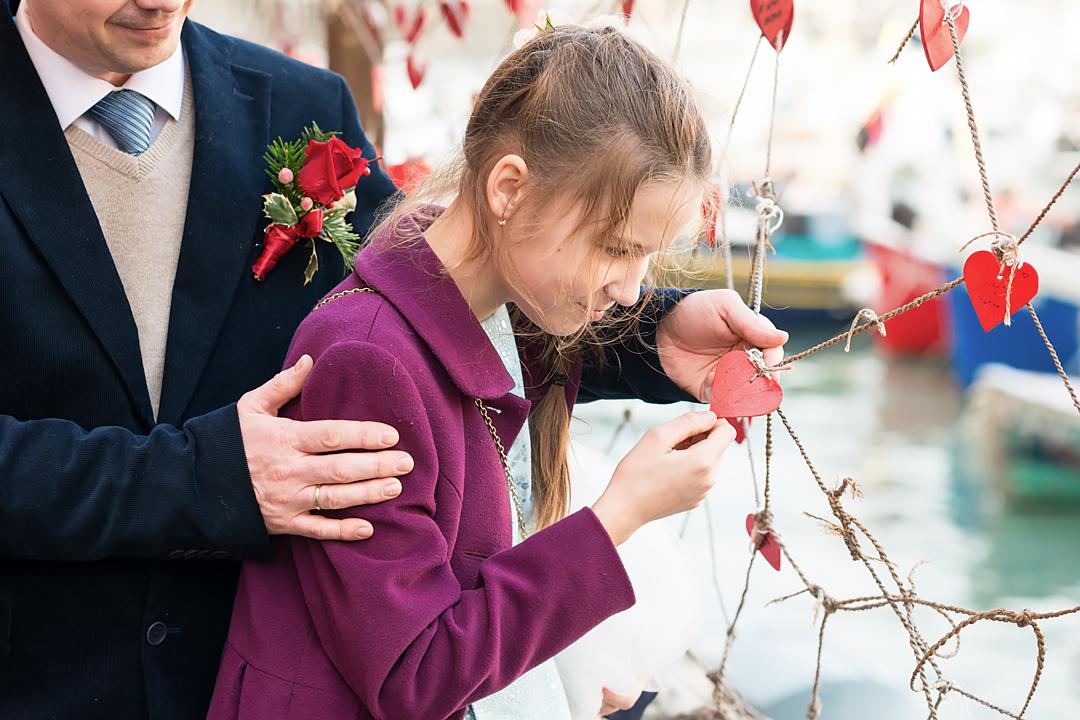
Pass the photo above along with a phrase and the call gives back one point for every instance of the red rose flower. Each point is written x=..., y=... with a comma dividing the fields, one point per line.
x=330, y=169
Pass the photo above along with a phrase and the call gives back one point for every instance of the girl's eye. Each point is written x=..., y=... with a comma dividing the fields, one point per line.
x=617, y=252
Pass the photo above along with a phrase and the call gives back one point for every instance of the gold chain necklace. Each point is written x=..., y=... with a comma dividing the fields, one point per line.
x=510, y=484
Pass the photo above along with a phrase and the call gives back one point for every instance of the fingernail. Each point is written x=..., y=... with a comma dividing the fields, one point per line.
x=404, y=465
x=392, y=489
x=363, y=533
x=707, y=415
x=302, y=362
x=388, y=437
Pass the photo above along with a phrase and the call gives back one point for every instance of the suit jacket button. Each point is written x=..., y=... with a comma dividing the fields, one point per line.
x=156, y=633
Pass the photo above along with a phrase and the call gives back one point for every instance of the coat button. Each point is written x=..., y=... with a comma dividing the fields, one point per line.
x=156, y=633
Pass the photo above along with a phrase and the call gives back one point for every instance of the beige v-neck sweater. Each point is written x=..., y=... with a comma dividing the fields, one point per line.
x=141, y=203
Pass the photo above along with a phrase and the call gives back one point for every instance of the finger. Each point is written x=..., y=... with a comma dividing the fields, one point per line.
x=706, y=388
x=606, y=709
x=756, y=330
x=715, y=443
x=619, y=702
x=283, y=387
x=773, y=356
x=320, y=436
x=341, y=468
x=683, y=427
x=318, y=527
x=342, y=497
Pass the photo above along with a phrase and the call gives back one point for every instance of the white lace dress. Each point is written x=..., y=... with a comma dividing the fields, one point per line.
x=539, y=693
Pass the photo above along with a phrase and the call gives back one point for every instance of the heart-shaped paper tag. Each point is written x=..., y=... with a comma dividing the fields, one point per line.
x=934, y=30
x=767, y=546
x=774, y=17
x=415, y=70
x=456, y=13
x=742, y=426
x=986, y=288
x=738, y=391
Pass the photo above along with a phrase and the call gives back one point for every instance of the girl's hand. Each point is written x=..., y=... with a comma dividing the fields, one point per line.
x=656, y=479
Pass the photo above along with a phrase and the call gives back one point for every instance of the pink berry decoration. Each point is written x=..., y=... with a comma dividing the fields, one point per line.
x=306, y=204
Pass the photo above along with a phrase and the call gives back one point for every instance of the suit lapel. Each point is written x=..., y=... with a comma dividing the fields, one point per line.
x=224, y=200
x=43, y=187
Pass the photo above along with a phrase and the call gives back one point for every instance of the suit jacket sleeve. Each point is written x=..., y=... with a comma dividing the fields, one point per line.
x=630, y=366
x=75, y=495
x=389, y=611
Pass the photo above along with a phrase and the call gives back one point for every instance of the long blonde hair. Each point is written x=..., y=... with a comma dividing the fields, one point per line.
x=595, y=115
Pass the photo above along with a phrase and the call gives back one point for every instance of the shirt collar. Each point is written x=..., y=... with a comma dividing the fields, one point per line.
x=72, y=91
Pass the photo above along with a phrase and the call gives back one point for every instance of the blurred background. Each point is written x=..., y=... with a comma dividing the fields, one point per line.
x=964, y=442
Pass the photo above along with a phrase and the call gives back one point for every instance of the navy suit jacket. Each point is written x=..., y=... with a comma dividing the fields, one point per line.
x=120, y=537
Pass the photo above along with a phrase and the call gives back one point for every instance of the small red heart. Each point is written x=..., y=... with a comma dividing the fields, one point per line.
x=401, y=17
x=741, y=425
x=456, y=13
x=767, y=545
x=986, y=288
x=419, y=20
x=738, y=391
x=936, y=39
x=627, y=9
x=774, y=17
x=416, y=71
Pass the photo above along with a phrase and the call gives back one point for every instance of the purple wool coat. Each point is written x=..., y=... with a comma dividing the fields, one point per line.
x=436, y=610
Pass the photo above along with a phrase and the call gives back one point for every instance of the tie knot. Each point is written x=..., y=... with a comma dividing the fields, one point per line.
x=127, y=116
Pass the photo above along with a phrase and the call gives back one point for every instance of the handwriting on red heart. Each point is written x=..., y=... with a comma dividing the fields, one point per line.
x=766, y=545
x=739, y=391
x=774, y=17
x=934, y=30
x=456, y=13
x=986, y=287
x=415, y=70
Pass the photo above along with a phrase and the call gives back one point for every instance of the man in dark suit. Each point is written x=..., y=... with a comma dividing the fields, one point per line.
x=137, y=465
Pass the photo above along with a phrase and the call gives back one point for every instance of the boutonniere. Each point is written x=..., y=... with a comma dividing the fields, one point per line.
x=314, y=180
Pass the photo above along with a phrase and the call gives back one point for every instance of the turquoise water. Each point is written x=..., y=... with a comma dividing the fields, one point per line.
x=894, y=426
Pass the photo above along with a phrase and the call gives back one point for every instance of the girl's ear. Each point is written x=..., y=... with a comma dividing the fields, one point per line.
x=504, y=184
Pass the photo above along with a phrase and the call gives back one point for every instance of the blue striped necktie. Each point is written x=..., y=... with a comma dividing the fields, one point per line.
x=127, y=116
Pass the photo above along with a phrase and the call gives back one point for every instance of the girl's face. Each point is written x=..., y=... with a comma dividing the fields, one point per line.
x=566, y=276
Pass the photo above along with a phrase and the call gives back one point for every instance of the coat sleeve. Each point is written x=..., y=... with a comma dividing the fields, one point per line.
x=389, y=611
x=629, y=367
x=71, y=494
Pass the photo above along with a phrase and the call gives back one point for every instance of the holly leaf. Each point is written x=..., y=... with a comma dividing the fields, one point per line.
x=278, y=208
x=312, y=265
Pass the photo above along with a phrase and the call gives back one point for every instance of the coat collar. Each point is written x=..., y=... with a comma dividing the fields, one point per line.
x=401, y=266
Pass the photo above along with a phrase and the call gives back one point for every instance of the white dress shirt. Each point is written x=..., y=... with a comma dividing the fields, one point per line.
x=72, y=91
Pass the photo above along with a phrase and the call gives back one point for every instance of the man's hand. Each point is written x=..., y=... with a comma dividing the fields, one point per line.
x=705, y=325
x=287, y=459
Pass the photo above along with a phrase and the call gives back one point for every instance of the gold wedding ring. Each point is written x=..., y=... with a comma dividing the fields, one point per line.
x=315, y=500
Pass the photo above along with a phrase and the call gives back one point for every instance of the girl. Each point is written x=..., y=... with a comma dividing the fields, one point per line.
x=584, y=156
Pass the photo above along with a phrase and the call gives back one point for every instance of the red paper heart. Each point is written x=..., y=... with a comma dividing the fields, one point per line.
x=456, y=13
x=738, y=391
x=627, y=9
x=742, y=426
x=401, y=18
x=767, y=546
x=774, y=17
x=416, y=71
x=986, y=288
x=419, y=20
x=936, y=39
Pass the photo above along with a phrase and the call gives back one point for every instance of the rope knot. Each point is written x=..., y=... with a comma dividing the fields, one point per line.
x=770, y=214
x=871, y=319
x=1023, y=618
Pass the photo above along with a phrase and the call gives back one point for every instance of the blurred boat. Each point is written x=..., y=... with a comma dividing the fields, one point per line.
x=818, y=272
x=1024, y=432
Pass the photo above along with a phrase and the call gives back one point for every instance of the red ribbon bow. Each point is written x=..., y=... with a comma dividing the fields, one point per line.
x=279, y=240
